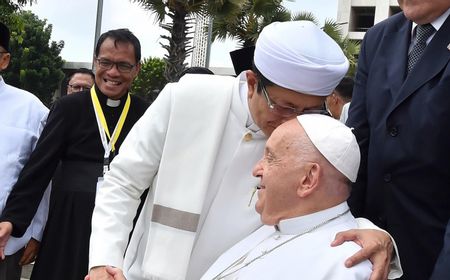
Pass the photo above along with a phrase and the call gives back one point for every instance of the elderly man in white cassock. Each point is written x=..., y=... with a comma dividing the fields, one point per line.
x=195, y=148
x=305, y=177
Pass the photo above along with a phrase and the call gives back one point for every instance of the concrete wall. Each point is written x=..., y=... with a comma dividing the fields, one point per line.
x=345, y=16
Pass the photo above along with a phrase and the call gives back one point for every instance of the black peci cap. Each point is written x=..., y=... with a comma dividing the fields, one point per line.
x=242, y=59
x=4, y=36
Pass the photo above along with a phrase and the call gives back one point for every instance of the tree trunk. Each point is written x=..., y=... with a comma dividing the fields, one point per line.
x=178, y=42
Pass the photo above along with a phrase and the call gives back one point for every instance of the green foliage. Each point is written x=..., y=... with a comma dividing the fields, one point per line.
x=150, y=80
x=181, y=14
x=253, y=17
x=9, y=16
x=35, y=61
x=305, y=16
x=9, y=11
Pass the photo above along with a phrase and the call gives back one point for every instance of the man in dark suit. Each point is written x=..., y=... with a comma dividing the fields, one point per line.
x=401, y=115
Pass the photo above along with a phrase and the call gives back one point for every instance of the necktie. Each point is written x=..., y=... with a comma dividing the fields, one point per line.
x=423, y=32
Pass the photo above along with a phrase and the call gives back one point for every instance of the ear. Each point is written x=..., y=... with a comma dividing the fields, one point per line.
x=4, y=60
x=309, y=181
x=333, y=98
x=252, y=82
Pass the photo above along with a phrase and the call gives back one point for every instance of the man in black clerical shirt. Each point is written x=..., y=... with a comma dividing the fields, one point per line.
x=83, y=133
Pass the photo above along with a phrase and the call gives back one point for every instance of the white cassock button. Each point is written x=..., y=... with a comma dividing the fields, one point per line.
x=276, y=237
x=248, y=137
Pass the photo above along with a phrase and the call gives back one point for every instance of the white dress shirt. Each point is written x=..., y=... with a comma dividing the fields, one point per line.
x=22, y=118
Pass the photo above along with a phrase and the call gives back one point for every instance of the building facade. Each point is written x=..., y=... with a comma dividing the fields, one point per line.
x=357, y=16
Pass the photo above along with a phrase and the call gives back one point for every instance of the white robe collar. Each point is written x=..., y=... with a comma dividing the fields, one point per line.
x=243, y=94
x=304, y=223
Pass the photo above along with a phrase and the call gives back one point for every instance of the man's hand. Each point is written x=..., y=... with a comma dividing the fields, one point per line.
x=115, y=272
x=30, y=252
x=376, y=247
x=5, y=233
x=100, y=273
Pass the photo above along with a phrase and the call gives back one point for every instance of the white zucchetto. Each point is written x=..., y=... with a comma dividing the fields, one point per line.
x=298, y=55
x=335, y=141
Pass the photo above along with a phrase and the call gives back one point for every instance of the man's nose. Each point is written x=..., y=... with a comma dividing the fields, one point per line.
x=257, y=169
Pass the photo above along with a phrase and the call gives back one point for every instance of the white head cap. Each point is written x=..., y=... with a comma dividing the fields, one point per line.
x=298, y=55
x=335, y=142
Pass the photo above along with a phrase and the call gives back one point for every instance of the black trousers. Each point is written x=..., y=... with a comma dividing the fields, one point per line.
x=10, y=268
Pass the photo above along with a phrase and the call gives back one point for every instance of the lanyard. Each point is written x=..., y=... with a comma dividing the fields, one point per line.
x=103, y=127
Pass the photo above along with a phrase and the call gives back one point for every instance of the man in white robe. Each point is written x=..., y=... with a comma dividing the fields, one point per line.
x=195, y=147
x=22, y=118
x=305, y=176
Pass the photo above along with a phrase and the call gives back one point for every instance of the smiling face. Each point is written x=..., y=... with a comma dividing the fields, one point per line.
x=114, y=83
x=267, y=119
x=282, y=172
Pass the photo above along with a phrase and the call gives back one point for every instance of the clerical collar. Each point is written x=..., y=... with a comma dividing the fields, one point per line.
x=302, y=223
x=112, y=103
x=107, y=102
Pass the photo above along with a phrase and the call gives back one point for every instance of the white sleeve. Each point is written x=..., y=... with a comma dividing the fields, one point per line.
x=131, y=172
x=395, y=268
x=40, y=218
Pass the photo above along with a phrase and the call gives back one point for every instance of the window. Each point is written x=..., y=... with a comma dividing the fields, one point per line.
x=394, y=10
x=362, y=18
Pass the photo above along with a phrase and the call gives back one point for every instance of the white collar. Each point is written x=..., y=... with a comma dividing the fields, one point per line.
x=304, y=223
x=437, y=23
x=112, y=103
x=2, y=83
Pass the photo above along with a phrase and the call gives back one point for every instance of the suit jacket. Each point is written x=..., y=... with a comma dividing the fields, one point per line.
x=402, y=124
x=442, y=267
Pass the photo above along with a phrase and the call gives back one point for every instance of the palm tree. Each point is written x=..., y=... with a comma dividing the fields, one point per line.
x=182, y=14
x=254, y=16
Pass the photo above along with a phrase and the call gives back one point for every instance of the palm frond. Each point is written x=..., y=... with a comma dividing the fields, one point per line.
x=306, y=16
x=157, y=7
x=333, y=29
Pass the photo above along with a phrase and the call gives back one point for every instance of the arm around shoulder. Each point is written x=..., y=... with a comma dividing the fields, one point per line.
x=377, y=245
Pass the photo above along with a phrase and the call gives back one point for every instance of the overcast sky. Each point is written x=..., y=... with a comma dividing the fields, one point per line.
x=74, y=22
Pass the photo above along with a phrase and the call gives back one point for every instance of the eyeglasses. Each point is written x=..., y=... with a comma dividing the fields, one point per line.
x=287, y=111
x=76, y=88
x=123, y=67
